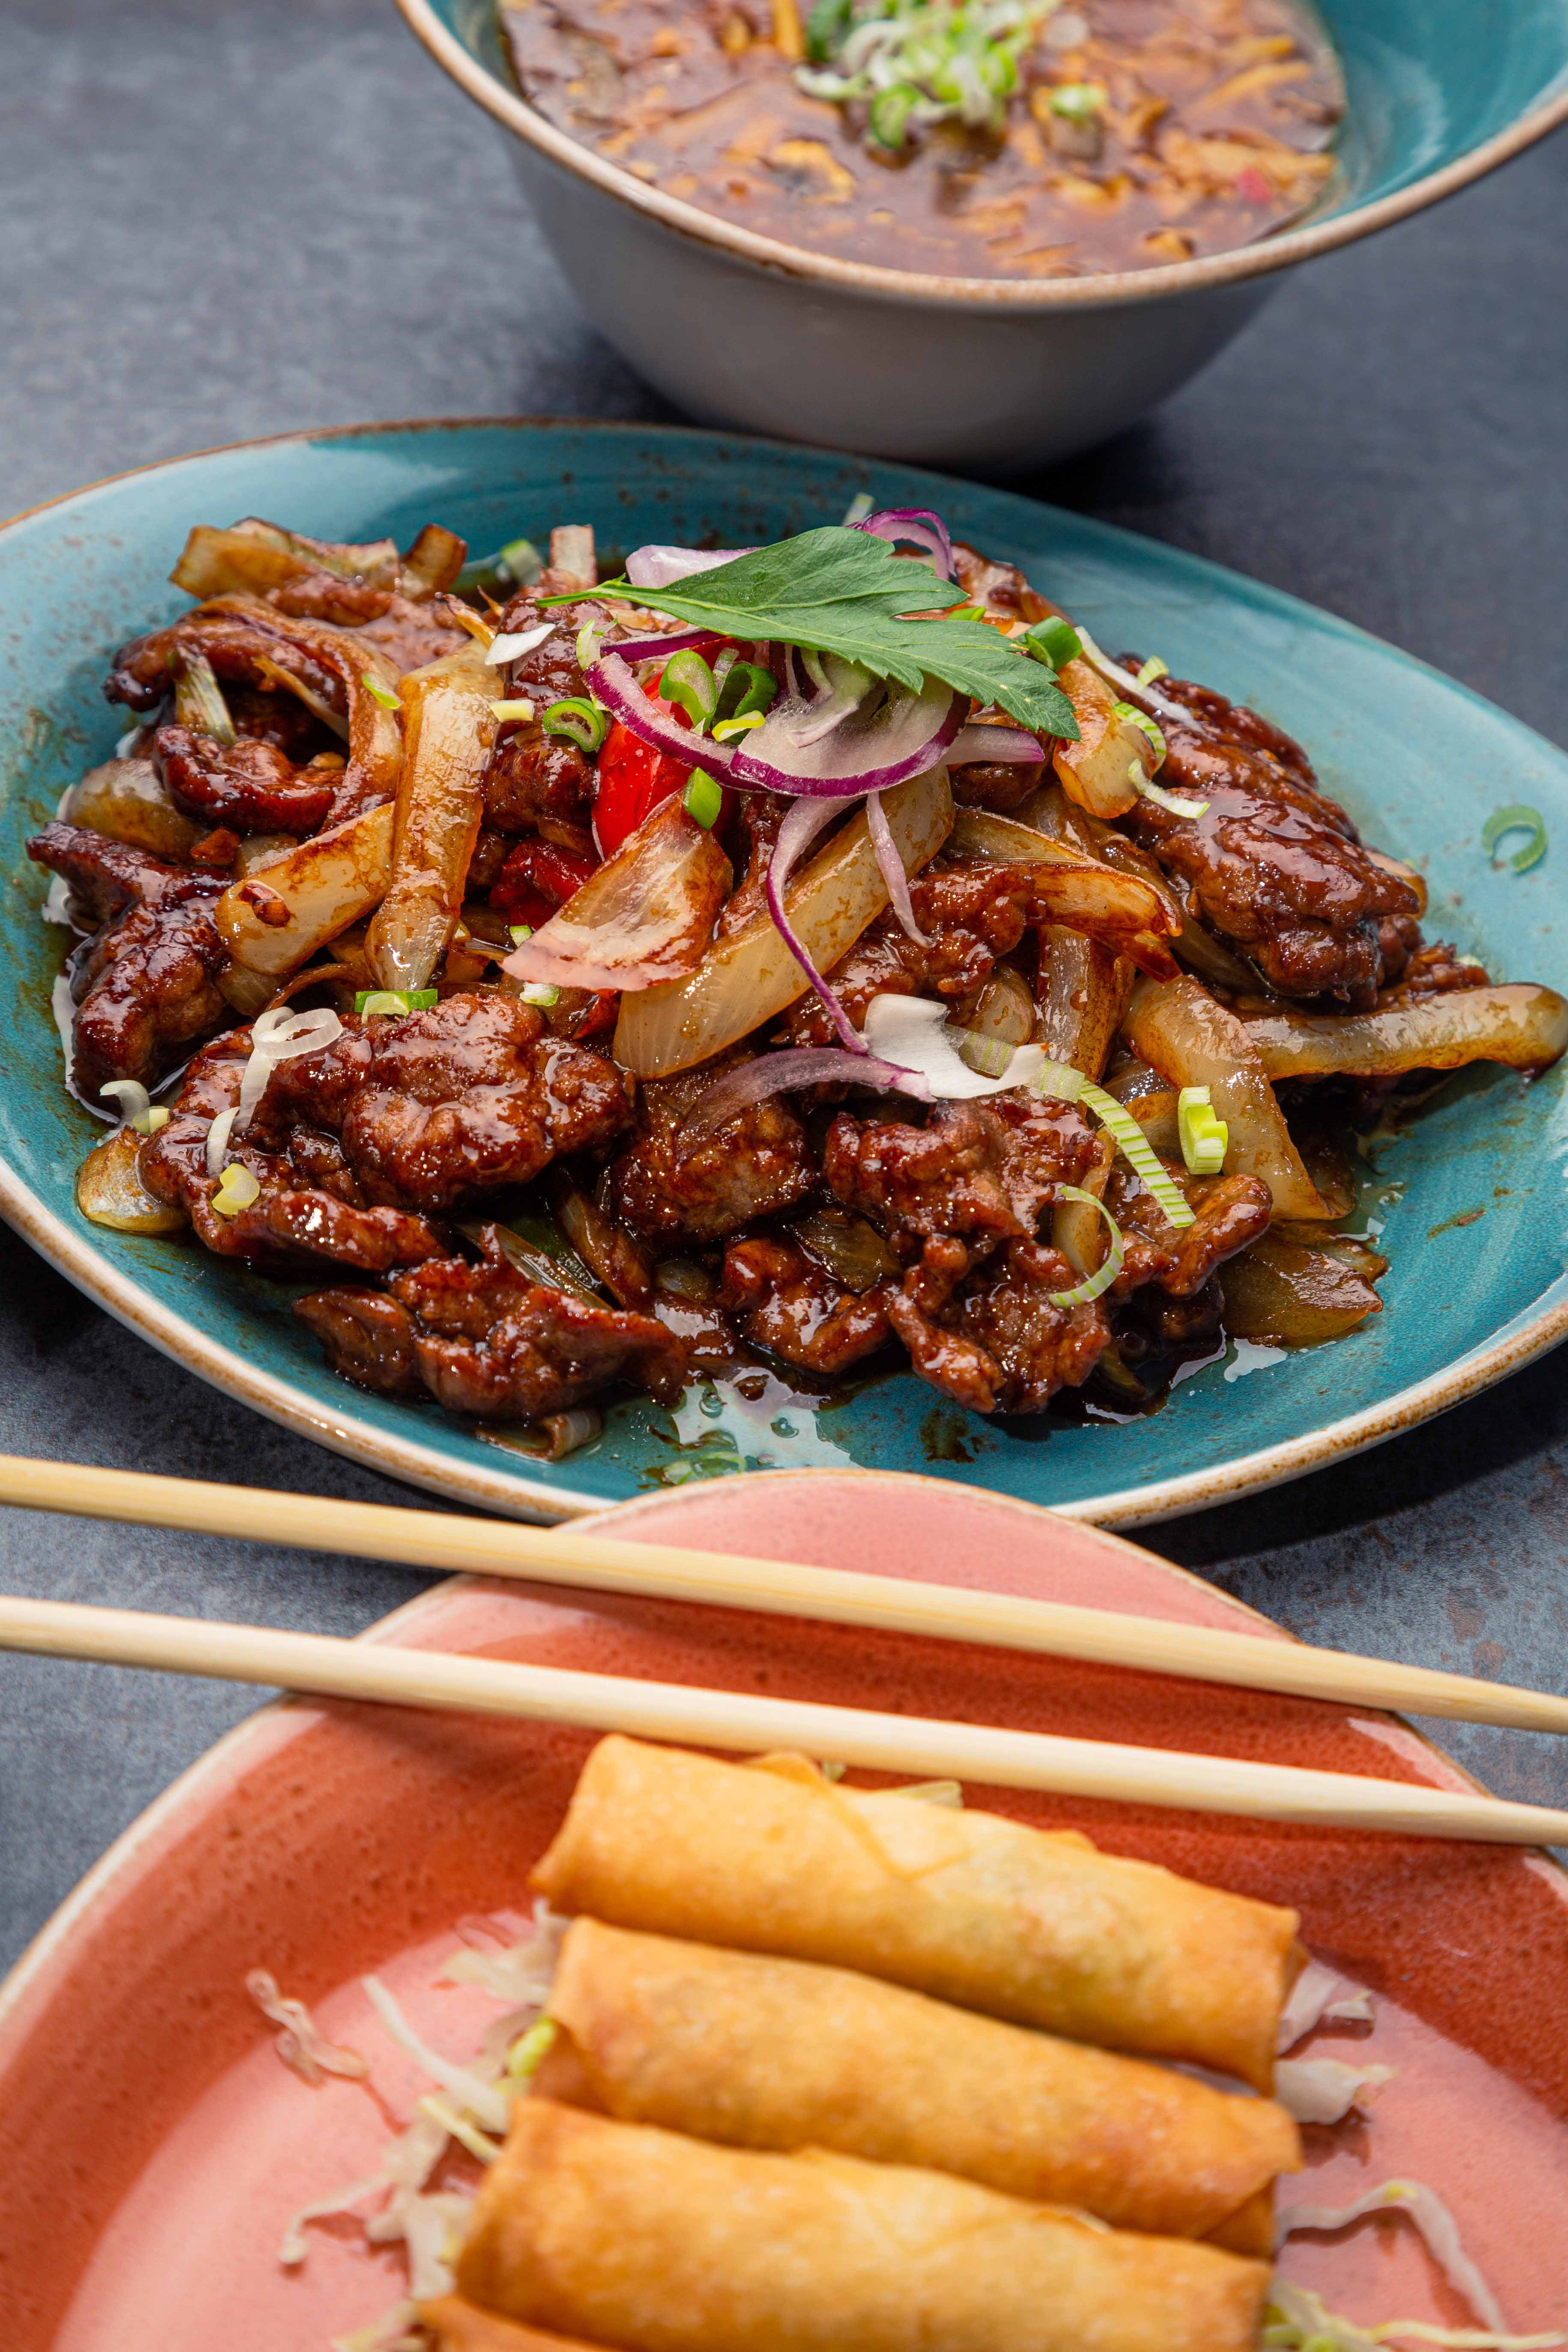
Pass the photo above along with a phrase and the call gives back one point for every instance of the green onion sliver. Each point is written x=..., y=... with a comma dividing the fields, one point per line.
x=1177, y=803
x=703, y=799
x=379, y=693
x=1135, y=1146
x=1105, y=1274
x=690, y=684
x=522, y=2060
x=1054, y=642
x=394, y=1001
x=890, y=113
x=1518, y=817
x=578, y=718
x=989, y=1055
x=724, y=730
x=861, y=504
x=515, y=707
x=747, y=692
x=521, y=560
x=588, y=645
x=1205, y=1137
x=1145, y=725
x=1078, y=102
x=237, y=1188
x=520, y=931
x=542, y=993
x=1153, y=668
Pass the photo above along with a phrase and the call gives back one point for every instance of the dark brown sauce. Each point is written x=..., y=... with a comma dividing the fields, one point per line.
x=1215, y=129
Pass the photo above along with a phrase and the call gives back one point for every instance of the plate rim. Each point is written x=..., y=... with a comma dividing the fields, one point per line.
x=511, y=1493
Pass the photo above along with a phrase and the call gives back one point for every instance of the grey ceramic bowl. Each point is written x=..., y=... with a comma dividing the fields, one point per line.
x=997, y=373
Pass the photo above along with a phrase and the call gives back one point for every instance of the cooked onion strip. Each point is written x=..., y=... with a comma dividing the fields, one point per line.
x=779, y=1073
x=645, y=916
x=1518, y=1024
x=1293, y=1295
x=749, y=977
x=273, y=921
x=1178, y=1029
x=1133, y=915
x=892, y=868
x=449, y=732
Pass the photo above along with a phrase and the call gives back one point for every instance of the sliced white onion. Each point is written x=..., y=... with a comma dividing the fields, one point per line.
x=218, y=1133
x=800, y=828
x=514, y=642
x=660, y=566
x=1437, y=2226
x=132, y=1097
x=1324, y=2090
x=277, y=1037
x=912, y=1034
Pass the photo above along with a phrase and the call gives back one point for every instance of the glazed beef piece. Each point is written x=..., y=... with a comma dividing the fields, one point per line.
x=249, y=786
x=1228, y=1213
x=146, y=987
x=980, y=1172
x=535, y=778
x=668, y=1187
x=431, y=1108
x=971, y=915
x=995, y=1340
x=992, y=785
x=793, y=1308
x=1271, y=865
x=758, y=817
x=487, y=1339
x=309, y=1206
x=997, y=588
x=410, y=635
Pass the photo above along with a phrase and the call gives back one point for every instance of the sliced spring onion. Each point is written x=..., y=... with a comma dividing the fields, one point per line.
x=520, y=931
x=1054, y=642
x=1064, y=1084
x=579, y=719
x=1153, y=668
x=1205, y=1137
x=522, y=2060
x=198, y=700
x=383, y=694
x=521, y=560
x=1078, y=102
x=703, y=799
x=861, y=504
x=517, y=707
x=237, y=1188
x=989, y=1055
x=1518, y=817
x=1178, y=804
x=691, y=685
x=394, y=1001
x=157, y=1117
x=1145, y=725
x=542, y=992
x=749, y=690
x=588, y=644
x=890, y=113
x=1104, y=1274
x=726, y=730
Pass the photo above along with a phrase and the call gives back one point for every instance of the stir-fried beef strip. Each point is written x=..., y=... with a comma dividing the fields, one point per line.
x=432, y=1109
x=146, y=988
x=249, y=785
x=533, y=778
x=669, y=1184
x=792, y=1307
x=487, y=1339
x=972, y=916
x=1272, y=864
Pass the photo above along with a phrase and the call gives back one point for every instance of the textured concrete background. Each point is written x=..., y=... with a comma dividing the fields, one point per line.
x=224, y=220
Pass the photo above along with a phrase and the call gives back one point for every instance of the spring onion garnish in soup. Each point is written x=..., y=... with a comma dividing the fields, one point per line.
x=1518, y=817
x=914, y=62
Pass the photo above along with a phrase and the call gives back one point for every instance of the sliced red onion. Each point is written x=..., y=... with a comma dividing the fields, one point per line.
x=660, y=566
x=913, y=526
x=656, y=644
x=800, y=828
x=617, y=687
x=1005, y=746
x=892, y=867
x=779, y=1073
x=890, y=735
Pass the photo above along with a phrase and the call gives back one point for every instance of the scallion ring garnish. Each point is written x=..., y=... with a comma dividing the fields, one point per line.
x=1062, y=1083
x=522, y=2059
x=520, y=931
x=703, y=799
x=1145, y=725
x=521, y=560
x=588, y=645
x=383, y=694
x=1153, y=668
x=1054, y=642
x=516, y=707
x=889, y=112
x=691, y=685
x=724, y=730
x=394, y=1002
x=237, y=1188
x=579, y=719
x=542, y=993
x=1176, y=802
x=1105, y=1274
x=748, y=692
x=862, y=503
x=1518, y=817
x=1205, y=1137
x=988, y=1056
x=1078, y=102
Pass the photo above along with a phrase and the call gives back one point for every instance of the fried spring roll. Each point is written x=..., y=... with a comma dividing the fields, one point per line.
x=1033, y=1926
x=659, y=2243
x=460, y=2326
x=783, y=2054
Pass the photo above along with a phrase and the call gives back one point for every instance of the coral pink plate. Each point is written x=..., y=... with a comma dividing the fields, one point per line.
x=151, y=2145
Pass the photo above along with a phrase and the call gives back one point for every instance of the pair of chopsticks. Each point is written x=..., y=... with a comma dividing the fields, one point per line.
x=327, y=1666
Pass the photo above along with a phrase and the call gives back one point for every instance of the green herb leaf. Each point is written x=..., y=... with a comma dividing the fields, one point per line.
x=844, y=591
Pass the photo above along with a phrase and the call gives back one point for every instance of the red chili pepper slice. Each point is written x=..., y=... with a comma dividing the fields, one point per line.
x=539, y=877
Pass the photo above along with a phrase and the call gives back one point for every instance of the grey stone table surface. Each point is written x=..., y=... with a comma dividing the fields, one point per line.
x=227, y=217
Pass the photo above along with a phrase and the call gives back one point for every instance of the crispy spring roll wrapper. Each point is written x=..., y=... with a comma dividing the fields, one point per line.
x=655, y=2243
x=460, y=2326
x=1033, y=1926
x=771, y=2053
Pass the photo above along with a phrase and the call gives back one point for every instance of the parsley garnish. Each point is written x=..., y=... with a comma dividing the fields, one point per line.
x=844, y=591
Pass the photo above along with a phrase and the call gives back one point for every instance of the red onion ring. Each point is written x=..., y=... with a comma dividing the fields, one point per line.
x=1009, y=746
x=800, y=828
x=654, y=648
x=915, y=526
x=660, y=566
x=617, y=687
x=801, y=1066
x=892, y=867
x=916, y=733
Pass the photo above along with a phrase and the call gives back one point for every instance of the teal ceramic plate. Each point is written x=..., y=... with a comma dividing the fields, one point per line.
x=1466, y=1201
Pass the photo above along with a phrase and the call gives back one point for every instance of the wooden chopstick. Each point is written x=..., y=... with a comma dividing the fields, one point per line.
x=606, y=1563
x=740, y=1721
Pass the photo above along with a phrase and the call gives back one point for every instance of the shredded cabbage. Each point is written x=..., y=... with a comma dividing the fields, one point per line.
x=484, y=2101
x=1316, y=1995
x=1438, y=2230
x=1324, y=2090
x=521, y=1973
x=1297, y=2320
x=300, y=2041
